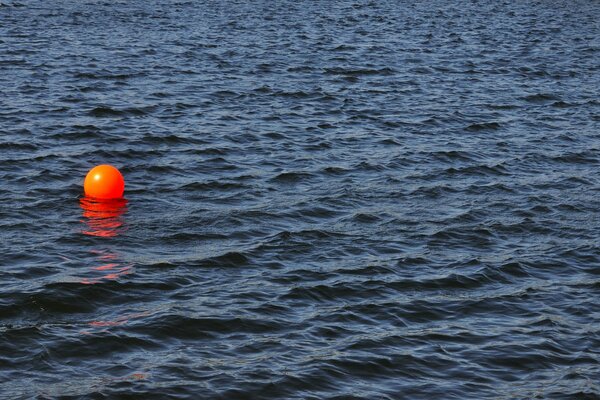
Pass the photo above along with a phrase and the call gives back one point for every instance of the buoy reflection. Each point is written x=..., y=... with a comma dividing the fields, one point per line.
x=103, y=217
x=110, y=268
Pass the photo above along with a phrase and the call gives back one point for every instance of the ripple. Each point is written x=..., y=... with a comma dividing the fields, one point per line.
x=540, y=98
x=483, y=126
x=355, y=202
x=292, y=177
x=107, y=112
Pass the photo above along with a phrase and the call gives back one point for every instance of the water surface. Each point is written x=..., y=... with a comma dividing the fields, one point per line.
x=325, y=200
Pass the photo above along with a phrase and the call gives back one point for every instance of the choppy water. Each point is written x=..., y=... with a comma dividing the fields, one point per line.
x=325, y=200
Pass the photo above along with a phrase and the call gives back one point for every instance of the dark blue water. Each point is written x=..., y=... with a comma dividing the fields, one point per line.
x=325, y=200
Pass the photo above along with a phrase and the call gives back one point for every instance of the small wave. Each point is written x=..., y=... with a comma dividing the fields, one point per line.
x=212, y=185
x=301, y=68
x=433, y=191
x=298, y=94
x=485, y=126
x=368, y=270
x=263, y=89
x=453, y=281
x=485, y=170
x=451, y=156
x=390, y=142
x=232, y=259
x=222, y=94
x=421, y=70
x=367, y=166
x=107, y=112
x=332, y=293
x=18, y=146
x=274, y=135
x=106, y=75
x=344, y=47
x=318, y=146
x=365, y=218
x=562, y=104
x=87, y=132
x=540, y=98
x=187, y=327
x=292, y=177
x=13, y=62
x=185, y=236
x=170, y=139
x=502, y=106
x=355, y=72
x=489, y=189
x=334, y=170
x=304, y=235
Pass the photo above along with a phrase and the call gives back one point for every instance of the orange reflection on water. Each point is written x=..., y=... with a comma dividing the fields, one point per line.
x=119, y=321
x=110, y=268
x=102, y=325
x=115, y=274
x=106, y=267
x=103, y=217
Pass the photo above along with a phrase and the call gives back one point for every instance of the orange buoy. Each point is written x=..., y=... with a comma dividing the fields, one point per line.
x=104, y=182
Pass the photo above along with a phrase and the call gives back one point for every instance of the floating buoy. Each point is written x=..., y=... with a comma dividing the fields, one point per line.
x=104, y=182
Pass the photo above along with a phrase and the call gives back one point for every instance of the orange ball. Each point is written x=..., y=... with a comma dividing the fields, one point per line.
x=104, y=182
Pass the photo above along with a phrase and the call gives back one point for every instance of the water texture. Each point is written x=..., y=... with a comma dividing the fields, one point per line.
x=325, y=199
